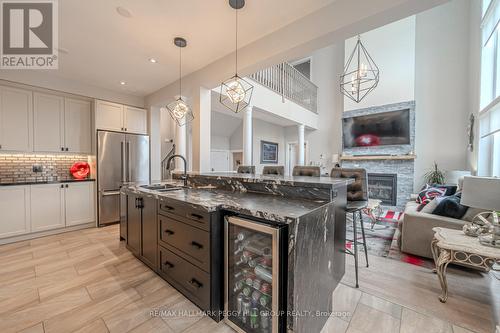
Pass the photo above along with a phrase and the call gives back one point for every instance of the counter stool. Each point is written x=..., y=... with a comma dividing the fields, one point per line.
x=357, y=200
x=273, y=170
x=308, y=171
x=246, y=169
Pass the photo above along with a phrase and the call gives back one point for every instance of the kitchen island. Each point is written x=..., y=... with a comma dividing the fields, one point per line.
x=187, y=235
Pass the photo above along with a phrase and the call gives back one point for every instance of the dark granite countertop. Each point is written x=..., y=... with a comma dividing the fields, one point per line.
x=319, y=182
x=41, y=182
x=269, y=207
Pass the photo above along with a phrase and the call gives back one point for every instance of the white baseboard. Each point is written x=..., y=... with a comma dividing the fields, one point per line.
x=45, y=233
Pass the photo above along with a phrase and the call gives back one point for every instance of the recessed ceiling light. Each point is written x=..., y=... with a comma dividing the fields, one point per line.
x=124, y=12
x=123, y=83
x=153, y=60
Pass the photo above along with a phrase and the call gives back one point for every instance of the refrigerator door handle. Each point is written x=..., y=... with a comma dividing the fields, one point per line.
x=122, y=152
x=129, y=172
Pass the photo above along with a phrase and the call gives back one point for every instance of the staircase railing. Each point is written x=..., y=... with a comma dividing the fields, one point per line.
x=165, y=169
x=287, y=81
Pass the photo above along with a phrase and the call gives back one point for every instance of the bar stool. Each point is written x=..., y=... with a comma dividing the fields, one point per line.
x=357, y=200
x=246, y=169
x=309, y=171
x=273, y=170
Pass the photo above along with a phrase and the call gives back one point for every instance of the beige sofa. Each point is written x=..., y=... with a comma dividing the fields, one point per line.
x=416, y=230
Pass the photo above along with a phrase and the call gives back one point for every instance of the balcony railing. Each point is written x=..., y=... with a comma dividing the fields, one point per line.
x=287, y=81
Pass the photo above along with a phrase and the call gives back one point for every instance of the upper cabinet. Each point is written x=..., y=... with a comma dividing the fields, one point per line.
x=15, y=119
x=120, y=118
x=48, y=119
x=135, y=120
x=77, y=125
x=61, y=124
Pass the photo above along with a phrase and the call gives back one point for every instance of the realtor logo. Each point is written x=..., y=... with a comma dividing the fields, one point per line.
x=29, y=34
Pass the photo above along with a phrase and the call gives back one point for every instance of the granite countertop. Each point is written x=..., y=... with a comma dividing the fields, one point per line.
x=321, y=182
x=269, y=207
x=43, y=181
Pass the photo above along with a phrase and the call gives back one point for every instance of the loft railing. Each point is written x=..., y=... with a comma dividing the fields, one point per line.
x=287, y=81
x=165, y=169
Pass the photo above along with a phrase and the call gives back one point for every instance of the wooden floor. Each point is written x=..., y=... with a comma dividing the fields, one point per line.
x=86, y=281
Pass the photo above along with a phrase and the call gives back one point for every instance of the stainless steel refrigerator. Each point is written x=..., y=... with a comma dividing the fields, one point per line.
x=121, y=159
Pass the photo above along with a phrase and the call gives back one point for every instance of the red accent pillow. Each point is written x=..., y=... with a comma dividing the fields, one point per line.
x=80, y=170
x=425, y=196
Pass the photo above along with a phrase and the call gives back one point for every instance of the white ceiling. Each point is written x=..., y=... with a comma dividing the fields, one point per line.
x=105, y=48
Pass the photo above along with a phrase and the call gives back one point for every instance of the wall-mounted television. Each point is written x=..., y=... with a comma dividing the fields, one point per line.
x=380, y=129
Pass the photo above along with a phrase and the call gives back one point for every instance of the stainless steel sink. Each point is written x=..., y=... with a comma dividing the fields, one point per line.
x=162, y=187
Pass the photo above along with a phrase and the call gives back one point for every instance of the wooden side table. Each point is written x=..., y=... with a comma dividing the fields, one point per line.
x=453, y=246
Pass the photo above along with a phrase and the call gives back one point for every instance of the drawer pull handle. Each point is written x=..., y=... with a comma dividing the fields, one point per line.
x=169, y=232
x=197, y=245
x=169, y=264
x=197, y=216
x=195, y=283
x=167, y=207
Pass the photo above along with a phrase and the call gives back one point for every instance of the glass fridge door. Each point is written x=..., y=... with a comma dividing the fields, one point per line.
x=251, y=279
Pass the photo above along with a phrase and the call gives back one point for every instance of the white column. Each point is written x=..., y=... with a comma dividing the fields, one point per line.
x=300, y=148
x=247, y=136
x=180, y=146
x=200, y=136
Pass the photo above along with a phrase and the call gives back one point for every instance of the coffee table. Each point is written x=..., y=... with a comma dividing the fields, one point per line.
x=453, y=246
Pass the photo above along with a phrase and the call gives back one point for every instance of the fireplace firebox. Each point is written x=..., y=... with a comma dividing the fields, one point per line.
x=384, y=187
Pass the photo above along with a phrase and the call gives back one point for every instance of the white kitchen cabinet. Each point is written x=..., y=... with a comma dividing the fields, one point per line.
x=120, y=118
x=135, y=120
x=77, y=126
x=15, y=119
x=48, y=123
x=47, y=207
x=109, y=116
x=79, y=203
x=14, y=210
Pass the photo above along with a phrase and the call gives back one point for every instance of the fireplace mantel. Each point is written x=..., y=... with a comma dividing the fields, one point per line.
x=377, y=157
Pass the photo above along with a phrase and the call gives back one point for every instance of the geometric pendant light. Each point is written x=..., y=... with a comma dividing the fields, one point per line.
x=236, y=92
x=361, y=74
x=178, y=109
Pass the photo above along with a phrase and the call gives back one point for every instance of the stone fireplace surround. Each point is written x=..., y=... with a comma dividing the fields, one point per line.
x=398, y=160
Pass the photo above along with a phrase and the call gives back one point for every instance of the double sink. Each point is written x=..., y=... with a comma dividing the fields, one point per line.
x=162, y=187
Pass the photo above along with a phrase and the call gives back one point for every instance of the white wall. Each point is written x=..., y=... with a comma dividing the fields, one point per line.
x=326, y=64
x=219, y=142
x=392, y=48
x=442, y=87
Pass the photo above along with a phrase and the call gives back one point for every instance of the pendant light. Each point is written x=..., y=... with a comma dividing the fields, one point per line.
x=361, y=74
x=178, y=109
x=236, y=92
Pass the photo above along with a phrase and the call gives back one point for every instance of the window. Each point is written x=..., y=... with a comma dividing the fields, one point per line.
x=489, y=115
x=304, y=67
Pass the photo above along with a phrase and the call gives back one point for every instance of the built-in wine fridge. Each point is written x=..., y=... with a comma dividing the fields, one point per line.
x=255, y=276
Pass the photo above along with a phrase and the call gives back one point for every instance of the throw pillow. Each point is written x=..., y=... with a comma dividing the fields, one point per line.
x=425, y=196
x=450, y=207
x=450, y=189
x=429, y=208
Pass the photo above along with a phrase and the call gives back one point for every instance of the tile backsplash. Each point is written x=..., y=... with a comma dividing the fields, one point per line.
x=18, y=168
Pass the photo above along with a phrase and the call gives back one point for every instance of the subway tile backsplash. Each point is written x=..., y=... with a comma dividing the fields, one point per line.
x=18, y=168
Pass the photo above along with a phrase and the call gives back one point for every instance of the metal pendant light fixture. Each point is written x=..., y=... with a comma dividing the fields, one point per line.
x=361, y=74
x=178, y=109
x=236, y=92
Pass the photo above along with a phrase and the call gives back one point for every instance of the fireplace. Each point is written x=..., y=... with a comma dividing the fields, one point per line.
x=384, y=187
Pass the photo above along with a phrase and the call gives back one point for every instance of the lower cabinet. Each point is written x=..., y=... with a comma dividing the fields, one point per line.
x=142, y=229
x=47, y=207
x=42, y=207
x=15, y=210
x=79, y=203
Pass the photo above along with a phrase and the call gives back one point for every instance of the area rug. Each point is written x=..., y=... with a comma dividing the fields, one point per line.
x=382, y=240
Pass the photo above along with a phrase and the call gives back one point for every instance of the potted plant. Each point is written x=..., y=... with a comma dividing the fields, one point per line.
x=434, y=176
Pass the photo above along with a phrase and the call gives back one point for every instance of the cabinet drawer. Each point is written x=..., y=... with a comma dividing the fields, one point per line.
x=181, y=274
x=190, y=214
x=193, y=242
